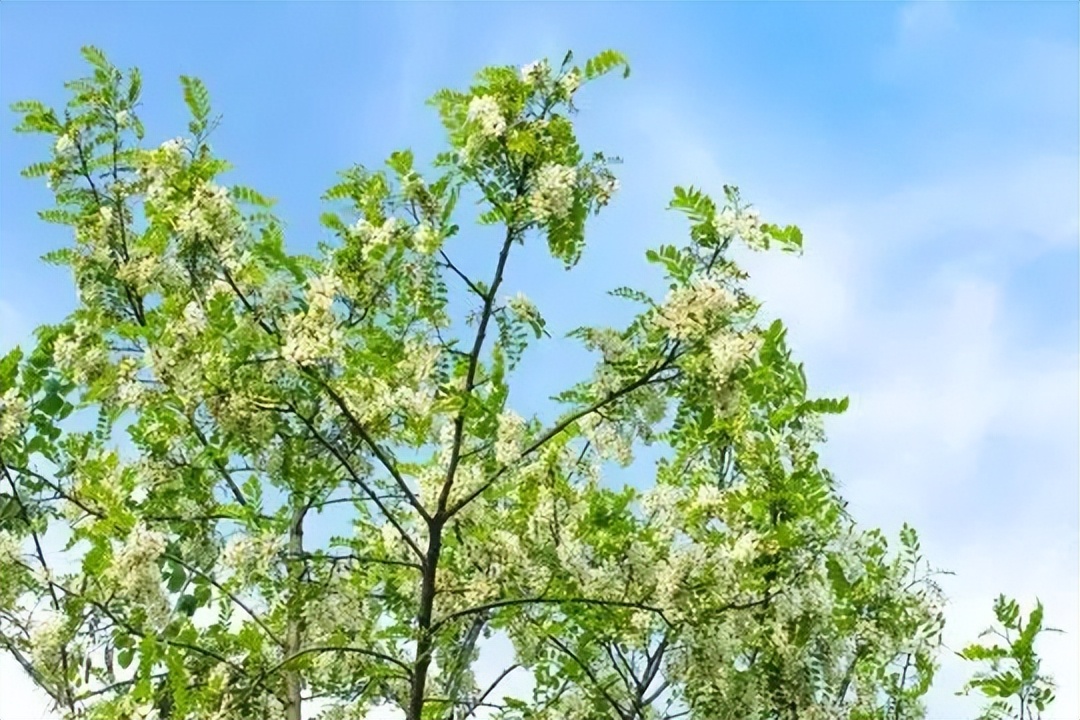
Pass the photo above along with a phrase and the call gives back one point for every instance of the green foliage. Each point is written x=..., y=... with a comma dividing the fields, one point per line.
x=216, y=398
x=1013, y=682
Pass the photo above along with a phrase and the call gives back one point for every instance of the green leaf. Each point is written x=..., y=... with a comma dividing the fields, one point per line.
x=51, y=404
x=604, y=62
x=177, y=578
x=96, y=58
x=250, y=196
x=187, y=605
x=197, y=99
x=134, y=86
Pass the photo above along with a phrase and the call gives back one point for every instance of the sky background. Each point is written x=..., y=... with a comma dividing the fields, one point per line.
x=929, y=151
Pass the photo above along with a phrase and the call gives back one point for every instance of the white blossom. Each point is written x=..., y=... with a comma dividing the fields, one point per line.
x=47, y=639
x=10, y=548
x=571, y=82
x=251, y=555
x=744, y=547
x=208, y=214
x=534, y=72
x=136, y=572
x=373, y=237
x=13, y=414
x=523, y=308
x=688, y=311
x=552, y=195
x=122, y=118
x=746, y=224
x=174, y=147
x=484, y=111
x=426, y=239
x=64, y=144
x=130, y=389
x=606, y=189
x=708, y=497
x=729, y=350
x=508, y=437
x=314, y=334
x=194, y=317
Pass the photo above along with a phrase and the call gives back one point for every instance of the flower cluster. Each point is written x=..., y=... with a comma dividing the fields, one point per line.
x=80, y=352
x=570, y=82
x=207, y=214
x=523, y=308
x=485, y=113
x=314, y=334
x=10, y=548
x=552, y=195
x=130, y=389
x=137, y=574
x=48, y=637
x=372, y=236
x=689, y=311
x=13, y=414
x=605, y=189
x=746, y=224
x=251, y=556
x=535, y=72
x=64, y=144
x=608, y=440
x=728, y=351
x=509, y=437
x=426, y=239
x=158, y=167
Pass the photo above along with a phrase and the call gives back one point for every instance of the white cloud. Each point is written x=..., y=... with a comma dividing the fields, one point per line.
x=957, y=423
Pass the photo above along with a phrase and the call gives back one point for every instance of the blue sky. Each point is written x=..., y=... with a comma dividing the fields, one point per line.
x=928, y=150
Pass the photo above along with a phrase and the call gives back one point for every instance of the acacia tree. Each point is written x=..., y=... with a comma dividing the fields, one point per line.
x=172, y=451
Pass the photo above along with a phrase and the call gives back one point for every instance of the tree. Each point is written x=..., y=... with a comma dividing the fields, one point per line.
x=170, y=452
x=1019, y=685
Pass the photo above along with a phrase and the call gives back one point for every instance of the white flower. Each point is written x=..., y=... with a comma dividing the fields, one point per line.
x=728, y=351
x=372, y=237
x=314, y=334
x=174, y=147
x=571, y=82
x=248, y=555
x=745, y=224
x=13, y=414
x=484, y=111
x=534, y=71
x=209, y=213
x=708, y=497
x=608, y=440
x=552, y=196
x=122, y=118
x=523, y=308
x=194, y=317
x=606, y=189
x=64, y=144
x=130, y=388
x=10, y=549
x=322, y=290
x=47, y=639
x=426, y=239
x=744, y=547
x=508, y=437
x=143, y=546
x=689, y=311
